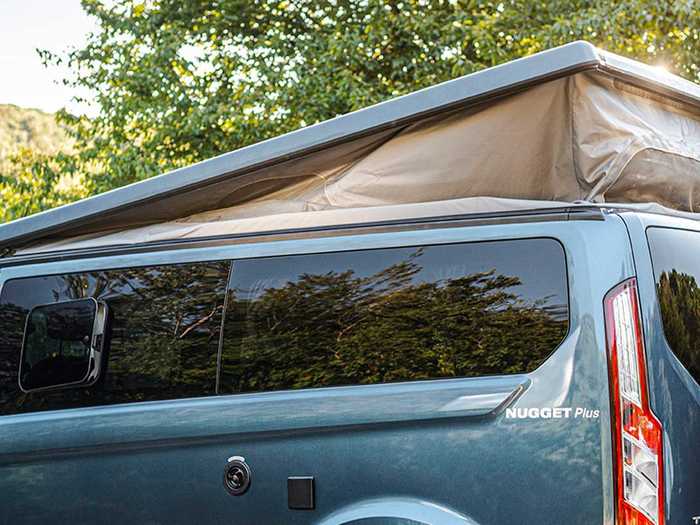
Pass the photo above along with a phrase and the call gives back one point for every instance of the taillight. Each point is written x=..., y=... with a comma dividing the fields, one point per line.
x=638, y=434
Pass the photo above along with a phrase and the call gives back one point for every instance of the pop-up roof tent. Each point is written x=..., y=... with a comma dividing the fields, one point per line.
x=567, y=125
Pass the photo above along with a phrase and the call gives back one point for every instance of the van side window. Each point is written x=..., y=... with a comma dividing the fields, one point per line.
x=675, y=257
x=163, y=333
x=398, y=314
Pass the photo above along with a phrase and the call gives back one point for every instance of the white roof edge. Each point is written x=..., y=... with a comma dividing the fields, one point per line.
x=654, y=77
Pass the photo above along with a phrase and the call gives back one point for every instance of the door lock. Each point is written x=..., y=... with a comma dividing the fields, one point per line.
x=236, y=475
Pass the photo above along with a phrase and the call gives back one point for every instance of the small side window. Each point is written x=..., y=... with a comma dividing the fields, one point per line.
x=675, y=257
x=62, y=345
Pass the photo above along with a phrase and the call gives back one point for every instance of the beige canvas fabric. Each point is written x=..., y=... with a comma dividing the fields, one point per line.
x=584, y=137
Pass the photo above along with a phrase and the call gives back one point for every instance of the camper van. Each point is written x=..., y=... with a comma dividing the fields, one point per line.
x=476, y=304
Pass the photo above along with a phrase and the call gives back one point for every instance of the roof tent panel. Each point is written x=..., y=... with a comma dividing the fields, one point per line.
x=451, y=156
x=582, y=137
x=241, y=188
x=565, y=140
x=572, y=123
x=614, y=123
x=118, y=208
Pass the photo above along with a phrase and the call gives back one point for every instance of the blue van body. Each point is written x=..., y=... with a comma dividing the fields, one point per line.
x=461, y=368
x=436, y=451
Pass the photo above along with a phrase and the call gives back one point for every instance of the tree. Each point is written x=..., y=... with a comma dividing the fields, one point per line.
x=177, y=82
x=38, y=181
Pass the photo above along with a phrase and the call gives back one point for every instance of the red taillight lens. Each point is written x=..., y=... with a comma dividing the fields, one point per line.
x=638, y=434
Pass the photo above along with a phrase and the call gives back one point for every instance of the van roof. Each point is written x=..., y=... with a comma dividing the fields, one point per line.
x=170, y=190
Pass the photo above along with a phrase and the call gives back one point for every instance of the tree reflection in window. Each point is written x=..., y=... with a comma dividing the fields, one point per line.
x=675, y=258
x=394, y=315
x=679, y=299
x=165, y=324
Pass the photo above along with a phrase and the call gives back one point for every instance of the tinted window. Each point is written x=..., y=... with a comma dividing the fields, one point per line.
x=393, y=315
x=164, y=322
x=57, y=342
x=676, y=260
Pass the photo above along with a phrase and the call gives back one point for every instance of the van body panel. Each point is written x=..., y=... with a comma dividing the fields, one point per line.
x=435, y=451
x=674, y=395
x=62, y=432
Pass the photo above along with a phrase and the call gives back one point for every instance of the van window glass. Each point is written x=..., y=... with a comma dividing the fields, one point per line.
x=163, y=333
x=675, y=257
x=57, y=342
x=396, y=314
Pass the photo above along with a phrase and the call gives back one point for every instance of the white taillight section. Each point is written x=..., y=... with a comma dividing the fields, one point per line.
x=625, y=337
x=638, y=434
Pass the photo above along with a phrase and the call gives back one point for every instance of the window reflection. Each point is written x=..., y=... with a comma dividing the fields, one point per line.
x=57, y=343
x=165, y=324
x=393, y=315
x=676, y=261
x=306, y=321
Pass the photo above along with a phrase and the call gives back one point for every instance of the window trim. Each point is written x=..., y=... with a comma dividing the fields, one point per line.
x=220, y=347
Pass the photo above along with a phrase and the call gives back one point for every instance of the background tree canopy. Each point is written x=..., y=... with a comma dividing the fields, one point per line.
x=177, y=82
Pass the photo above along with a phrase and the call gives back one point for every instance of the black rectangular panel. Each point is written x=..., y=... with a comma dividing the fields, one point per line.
x=300, y=492
x=393, y=314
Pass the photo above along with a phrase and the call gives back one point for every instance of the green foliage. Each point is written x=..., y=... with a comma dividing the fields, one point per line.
x=36, y=163
x=176, y=82
x=38, y=181
x=29, y=128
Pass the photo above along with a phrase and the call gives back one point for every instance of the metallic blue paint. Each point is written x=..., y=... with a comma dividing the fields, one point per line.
x=428, y=452
x=674, y=394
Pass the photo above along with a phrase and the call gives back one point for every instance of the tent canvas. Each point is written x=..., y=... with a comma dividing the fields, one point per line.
x=584, y=136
